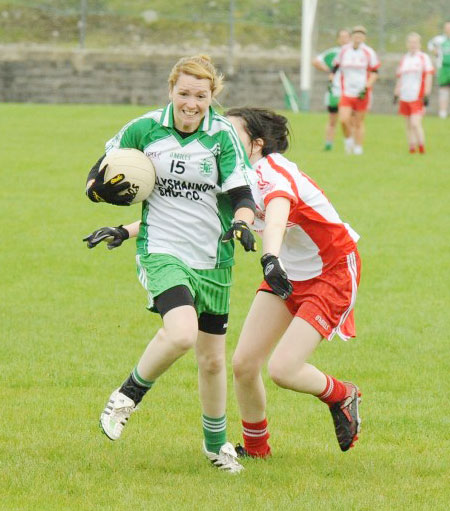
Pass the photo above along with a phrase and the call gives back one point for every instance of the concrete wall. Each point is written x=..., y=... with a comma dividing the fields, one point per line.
x=48, y=75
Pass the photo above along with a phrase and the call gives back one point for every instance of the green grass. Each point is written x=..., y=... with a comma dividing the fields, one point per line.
x=73, y=324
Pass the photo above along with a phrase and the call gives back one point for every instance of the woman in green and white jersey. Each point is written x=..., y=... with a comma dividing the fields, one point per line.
x=440, y=46
x=201, y=200
x=325, y=62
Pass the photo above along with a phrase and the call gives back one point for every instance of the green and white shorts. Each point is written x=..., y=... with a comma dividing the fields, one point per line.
x=210, y=289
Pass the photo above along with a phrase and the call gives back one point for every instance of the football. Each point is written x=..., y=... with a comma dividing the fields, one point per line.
x=137, y=169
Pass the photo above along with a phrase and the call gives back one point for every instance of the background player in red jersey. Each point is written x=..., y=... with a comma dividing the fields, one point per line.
x=358, y=64
x=413, y=87
x=311, y=272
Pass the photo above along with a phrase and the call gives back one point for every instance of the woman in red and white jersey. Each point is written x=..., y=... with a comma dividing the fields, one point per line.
x=413, y=87
x=358, y=64
x=311, y=272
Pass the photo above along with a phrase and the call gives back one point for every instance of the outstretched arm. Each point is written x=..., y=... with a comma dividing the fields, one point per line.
x=113, y=236
x=277, y=213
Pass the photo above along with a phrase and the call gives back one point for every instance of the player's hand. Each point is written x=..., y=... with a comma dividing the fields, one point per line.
x=241, y=231
x=275, y=276
x=363, y=93
x=426, y=100
x=109, y=191
x=114, y=236
x=394, y=99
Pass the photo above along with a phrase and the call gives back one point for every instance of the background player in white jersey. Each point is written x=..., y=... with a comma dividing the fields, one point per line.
x=311, y=269
x=325, y=62
x=440, y=46
x=201, y=199
x=413, y=87
x=358, y=64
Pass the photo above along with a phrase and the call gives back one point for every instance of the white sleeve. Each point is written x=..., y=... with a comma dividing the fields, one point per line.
x=272, y=183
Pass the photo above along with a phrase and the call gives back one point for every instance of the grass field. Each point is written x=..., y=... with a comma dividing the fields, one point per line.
x=73, y=323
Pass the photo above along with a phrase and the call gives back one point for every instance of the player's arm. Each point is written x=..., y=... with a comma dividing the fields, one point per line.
x=373, y=76
x=113, y=236
x=277, y=213
x=397, y=89
x=319, y=64
x=96, y=188
x=432, y=46
x=427, y=88
x=244, y=214
x=233, y=165
x=100, y=191
x=428, y=84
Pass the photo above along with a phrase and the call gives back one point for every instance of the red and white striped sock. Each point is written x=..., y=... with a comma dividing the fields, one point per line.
x=334, y=391
x=255, y=438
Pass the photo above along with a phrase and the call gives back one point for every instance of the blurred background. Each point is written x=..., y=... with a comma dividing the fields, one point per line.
x=53, y=50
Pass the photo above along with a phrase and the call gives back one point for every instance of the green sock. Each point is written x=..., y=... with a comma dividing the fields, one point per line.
x=215, y=432
x=328, y=146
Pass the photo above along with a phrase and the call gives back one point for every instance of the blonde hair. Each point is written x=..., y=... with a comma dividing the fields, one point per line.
x=199, y=66
x=414, y=34
x=359, y=28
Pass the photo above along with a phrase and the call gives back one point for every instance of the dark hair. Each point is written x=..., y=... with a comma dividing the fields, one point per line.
x=272, y=128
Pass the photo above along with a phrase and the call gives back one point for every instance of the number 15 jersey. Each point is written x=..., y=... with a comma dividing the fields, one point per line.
x=187, y=212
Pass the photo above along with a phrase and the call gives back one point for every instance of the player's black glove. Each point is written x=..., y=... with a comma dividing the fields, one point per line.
x=426, y=100
x=394, y=99
x=114, y=236
x=241, y=231
x=363, y=93
x=275, y=276
x=109, y=191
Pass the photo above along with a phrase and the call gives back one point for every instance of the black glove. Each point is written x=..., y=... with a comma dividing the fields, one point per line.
x=241, y=231
x=426, y=100
x=275, y=276
x=118, y=234
x=109, y=191
x=394, y=99
x=363, y=93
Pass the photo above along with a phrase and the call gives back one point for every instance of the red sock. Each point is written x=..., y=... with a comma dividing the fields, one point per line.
x=422, y=149
x=335, y=391
x=412, y=149
x=255, y=438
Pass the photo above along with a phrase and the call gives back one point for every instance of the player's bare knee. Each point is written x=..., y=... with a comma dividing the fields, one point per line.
x=245, y=368
x=211, y=364
x=181, y=339
x=278, y=373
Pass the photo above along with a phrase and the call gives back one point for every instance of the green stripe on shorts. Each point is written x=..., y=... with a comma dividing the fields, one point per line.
x=210, y=288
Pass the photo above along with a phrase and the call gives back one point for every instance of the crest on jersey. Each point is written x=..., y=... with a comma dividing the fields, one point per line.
x=206, y=167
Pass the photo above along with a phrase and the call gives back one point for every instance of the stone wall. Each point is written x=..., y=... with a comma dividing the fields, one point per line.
x=48, y=75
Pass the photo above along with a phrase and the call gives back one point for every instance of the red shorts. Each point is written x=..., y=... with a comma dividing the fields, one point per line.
x=357, y=104
x=411, y=107
x=326, y=302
